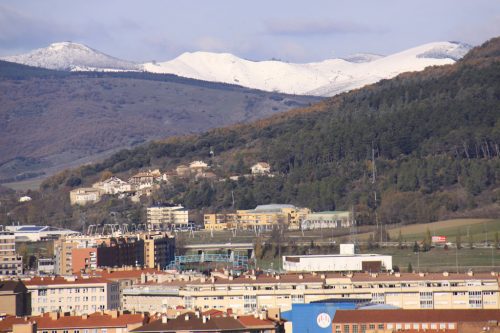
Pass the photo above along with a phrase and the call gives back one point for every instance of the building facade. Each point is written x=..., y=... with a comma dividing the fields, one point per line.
x=14, y=298
x=159, y=249
x=247, y=293
x=84, y=195
x=263, y=217
x=159, y=218
x=11, y=264
x=327, y=220
x=78, y=294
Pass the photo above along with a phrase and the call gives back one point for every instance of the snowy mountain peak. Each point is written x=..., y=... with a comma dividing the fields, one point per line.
x=71, y=56
x=325, y=78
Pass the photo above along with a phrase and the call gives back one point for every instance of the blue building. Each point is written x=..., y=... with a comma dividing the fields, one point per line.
x=315, y=317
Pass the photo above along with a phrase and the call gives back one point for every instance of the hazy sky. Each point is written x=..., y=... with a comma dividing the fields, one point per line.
x=298, y=31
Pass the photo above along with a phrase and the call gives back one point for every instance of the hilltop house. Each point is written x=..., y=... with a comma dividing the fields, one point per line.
x=85, y=195
x=261, y=168
x=113, y=185
x=198, y=166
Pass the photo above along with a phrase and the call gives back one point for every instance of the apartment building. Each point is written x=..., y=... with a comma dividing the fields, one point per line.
x=78, y=294
x=431, y=321
x=263, y=217
x=159, y=249
x=11, y=264
x=57, y=322
x=247, y=293
x=160, y=217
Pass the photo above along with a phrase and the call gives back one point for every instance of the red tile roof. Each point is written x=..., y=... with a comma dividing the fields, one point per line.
x=59, y=280
x=414, y=316
x=95, y=320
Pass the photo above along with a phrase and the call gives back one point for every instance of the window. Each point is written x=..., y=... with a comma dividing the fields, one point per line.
x=65, y=331
x=372, y=326
x=407, y=326
x=346, y=328
x=442, y=326
x=399, y=326
x=380, y=326
x=390, y=326
x=451, y=326
x=434, y=326
x=104, y=330
x=354, y=328
x=42, y=292
x=415, y=326
x=337, y=329
x=363, y=328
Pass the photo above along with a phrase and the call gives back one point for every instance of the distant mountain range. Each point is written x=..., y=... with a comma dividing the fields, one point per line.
x=325, y=78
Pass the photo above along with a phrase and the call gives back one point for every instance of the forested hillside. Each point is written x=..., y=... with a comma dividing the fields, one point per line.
x=52, y=119
x=434, y=137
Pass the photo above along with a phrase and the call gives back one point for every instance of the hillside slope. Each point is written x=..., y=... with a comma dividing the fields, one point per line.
x=435, y=136
x=49, y=118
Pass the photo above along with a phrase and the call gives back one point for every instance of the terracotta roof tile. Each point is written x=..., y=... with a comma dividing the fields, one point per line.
x=410, y=316
x=59, y=280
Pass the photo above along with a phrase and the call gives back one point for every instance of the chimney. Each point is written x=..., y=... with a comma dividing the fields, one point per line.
x=164, y=319
x=204, y=319
x=85, y=316
x=186, y=317
x=470, y=273
x=229, y=311
x=277, y=277
x=114, y=314
x=445, y=274
x=54, y=315
x=301, y=277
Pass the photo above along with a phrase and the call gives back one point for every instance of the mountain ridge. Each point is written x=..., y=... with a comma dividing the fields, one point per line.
x=324, y=78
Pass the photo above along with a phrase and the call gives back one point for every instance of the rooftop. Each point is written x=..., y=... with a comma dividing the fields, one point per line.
x=415, y=316
x=95, y=320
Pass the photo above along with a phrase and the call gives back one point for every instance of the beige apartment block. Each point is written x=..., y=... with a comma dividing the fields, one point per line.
x=263, y=217
x=78, y=294
x=167, y=216
x=11, y=264
x=247, y=293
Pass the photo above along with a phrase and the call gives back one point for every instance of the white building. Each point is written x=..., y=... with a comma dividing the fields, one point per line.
x=84, y=195
x=46, y=266
x=327, y=220
x=346, y=261
x=261, y=168
x=25, y=199
x=198, y=166
x=113, y=185
x=35, y=233
x=167, y=216
x=66, y=294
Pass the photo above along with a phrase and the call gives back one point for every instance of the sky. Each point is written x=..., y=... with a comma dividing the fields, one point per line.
x=289, y=30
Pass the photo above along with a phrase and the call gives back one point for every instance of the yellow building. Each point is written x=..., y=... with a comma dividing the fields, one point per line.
x=263, y=217
x=247, y=293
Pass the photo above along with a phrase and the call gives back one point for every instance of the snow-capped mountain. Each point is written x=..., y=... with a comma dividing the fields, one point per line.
x=73, y=57
x=325, y=78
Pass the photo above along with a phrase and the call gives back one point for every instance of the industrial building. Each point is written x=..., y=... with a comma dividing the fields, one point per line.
x=35, y=233
x=346, y=261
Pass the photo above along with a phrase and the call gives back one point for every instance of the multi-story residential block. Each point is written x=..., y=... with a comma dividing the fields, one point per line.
x=162, y=217
x=57, y=322
x=46, y=266
x=159, y=249
x=263, y=217
x=14, y=298
x=84, y=195
x=247, y=293
x=71, y=293
x=327, y=220
x=11, y=263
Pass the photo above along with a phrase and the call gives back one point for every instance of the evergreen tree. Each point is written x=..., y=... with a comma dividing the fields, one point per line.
x=410, y=268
